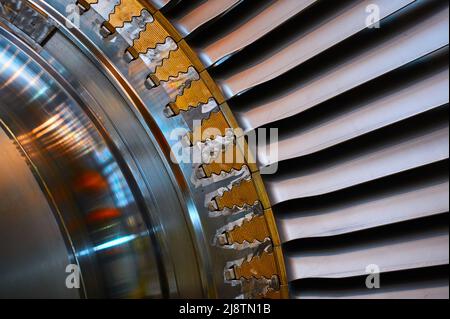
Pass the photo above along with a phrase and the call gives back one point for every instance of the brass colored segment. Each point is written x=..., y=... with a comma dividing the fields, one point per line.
x=243, y=147
x=279, y=257
x=124, y=12
x=259, y=266
x=212, y=87
x=228, y=160
x=240, y=195
x=224, y=107
x=217, y=168
x=249, y=231
x=272, y=226
x=261, y=190
x=176, y=63
x=192, y=96
x=215, y=121
x=149, y=6
x=153, y=35
x=210, y=128
x=168, y=26
x=192, y=56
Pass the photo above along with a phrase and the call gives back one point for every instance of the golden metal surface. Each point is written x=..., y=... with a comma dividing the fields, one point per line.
x=176, y=63
x=198, y=93
x=239, y=196
x=211, y=127
x=259, y=266
x=217, y=168
x=167, y=26
x=125, y=12
x=153, y=35
x=212, y=87
x=249, y=231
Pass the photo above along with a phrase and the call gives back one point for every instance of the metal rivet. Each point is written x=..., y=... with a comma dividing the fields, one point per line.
x=129, y=57
x=223, y=239
x=149, y=84
x=230, y=274
x=105, y=32
x=200, y=173
x=82, y=9
x=186, y=140
x=168, y=112
x=212, y=206
x=275, y=283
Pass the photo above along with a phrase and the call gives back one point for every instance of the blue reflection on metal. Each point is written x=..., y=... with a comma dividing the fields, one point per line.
x=42, y=92
x=109, y=244
x=103, y=156
x=115, y=242
x=121, y=192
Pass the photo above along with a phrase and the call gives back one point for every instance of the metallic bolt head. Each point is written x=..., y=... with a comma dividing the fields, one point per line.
x=186, y=141
x=105, y=32
x=275, y=283
x=168, y=112
x=230, y=274
x=129, y=57
x=149, y=84
x=200, y=173
x=81, y=8
x=223, y=239
x=212, y=206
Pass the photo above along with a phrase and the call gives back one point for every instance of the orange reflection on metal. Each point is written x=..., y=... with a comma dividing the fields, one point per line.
x=102, y=215
x=91, y=181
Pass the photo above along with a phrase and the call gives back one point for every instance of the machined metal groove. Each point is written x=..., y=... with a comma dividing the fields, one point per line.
x=240, y=195
x=217, y=168
x=131, y=30
x=104, y=7
x=212, y=126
